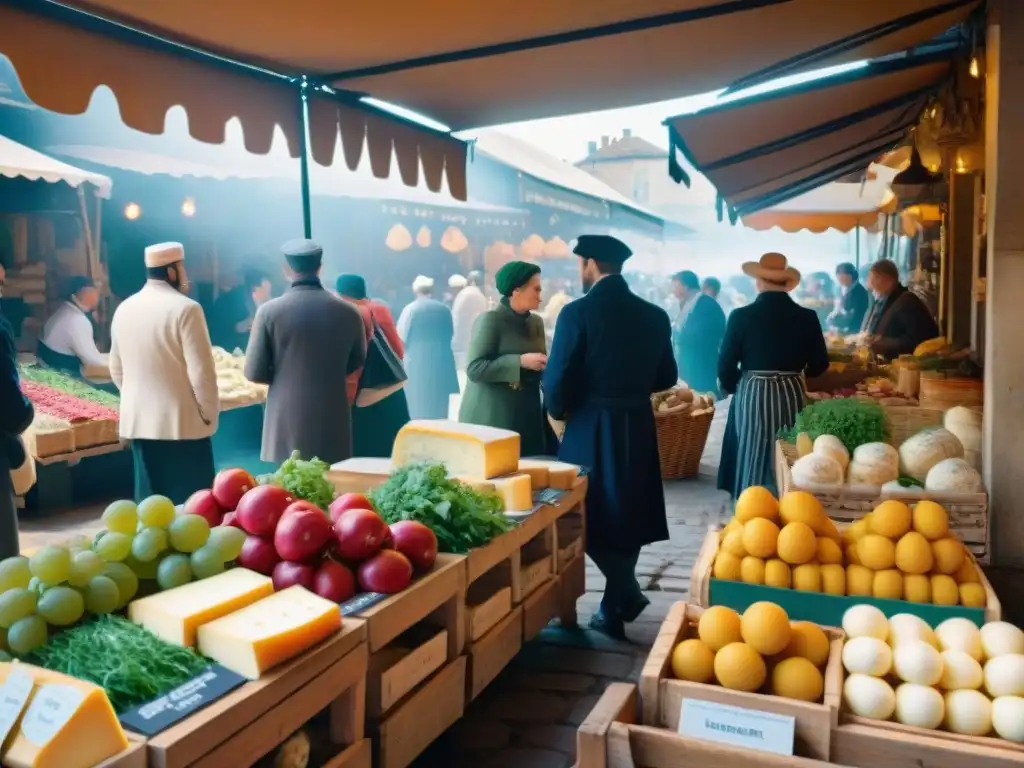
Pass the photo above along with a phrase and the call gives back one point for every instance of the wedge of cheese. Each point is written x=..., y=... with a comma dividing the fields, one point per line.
x=560, y=475
x=67, y=723
x=269, y=632
x=359, y=475
x=539, y=472
x=467, y=450
x=516, y=492
x=175, y=615
x=483, y=486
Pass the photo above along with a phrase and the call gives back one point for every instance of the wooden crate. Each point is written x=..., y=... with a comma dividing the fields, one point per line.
x=968, y=512
x=540, y=607
x=492, y=572
x=570, y=536
x=241, y=727
x=706, y=591
x=611, y=738
x=486, y=657
x=663, y=696
x=359, y=755
x=859, y=741
x=397, y=668
x=133, y=756
x=421, y=717
x=572, y=585
x=51, y=443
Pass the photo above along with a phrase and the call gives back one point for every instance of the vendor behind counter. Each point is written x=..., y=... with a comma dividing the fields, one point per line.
x=68, y=341
x=898, y=320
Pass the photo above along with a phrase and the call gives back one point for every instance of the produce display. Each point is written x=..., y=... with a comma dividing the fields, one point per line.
x=68, y=384
x=758, y=651
x=895, y=552
x=682, y=399
x=877, y=388
x=232, y=385
x=953, y=677
x=855, y=422
x=55, y=402
x=306, y=480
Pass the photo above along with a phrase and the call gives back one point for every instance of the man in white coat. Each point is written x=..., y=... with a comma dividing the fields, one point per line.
x=161, y=360
x=469, y=304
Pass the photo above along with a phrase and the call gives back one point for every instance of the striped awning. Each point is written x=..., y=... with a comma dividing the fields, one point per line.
x=838, y=205
x=762, y=151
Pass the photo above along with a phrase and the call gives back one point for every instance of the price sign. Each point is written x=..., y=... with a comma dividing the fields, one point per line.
x=161, y=713
x=737, y=726
x=361, y=602
x=14, y=695
x=51, y=708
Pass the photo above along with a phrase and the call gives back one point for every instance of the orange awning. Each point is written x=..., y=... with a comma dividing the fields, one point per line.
x=838, y=205
x=762, y=151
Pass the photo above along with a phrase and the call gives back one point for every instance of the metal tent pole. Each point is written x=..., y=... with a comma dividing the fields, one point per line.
x=307, y=218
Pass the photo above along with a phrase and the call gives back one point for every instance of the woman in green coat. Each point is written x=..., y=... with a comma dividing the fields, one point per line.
x=507, y=353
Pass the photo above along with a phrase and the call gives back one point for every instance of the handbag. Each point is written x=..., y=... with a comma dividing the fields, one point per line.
x=383, y=374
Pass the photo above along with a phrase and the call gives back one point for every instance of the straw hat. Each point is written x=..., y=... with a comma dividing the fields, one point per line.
x=774, y=268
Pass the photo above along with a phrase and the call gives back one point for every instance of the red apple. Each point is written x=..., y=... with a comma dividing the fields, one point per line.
x=288, y=574
x=230, y=485
x=417, y=542
x=258, y=554
x=388, y=572
x=345, y=502
x=260, y=509
x=389, y=541
x=360, y=534
x=333, y=581
x=303, y=532
x=203, y=503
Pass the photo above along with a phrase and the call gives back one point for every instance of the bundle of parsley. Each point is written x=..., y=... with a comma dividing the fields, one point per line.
x=461, y=517
x=854, y=421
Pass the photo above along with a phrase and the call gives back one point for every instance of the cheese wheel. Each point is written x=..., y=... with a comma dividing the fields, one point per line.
x=464, y=449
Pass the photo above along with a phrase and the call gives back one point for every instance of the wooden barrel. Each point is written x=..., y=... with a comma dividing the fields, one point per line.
x=942, y=393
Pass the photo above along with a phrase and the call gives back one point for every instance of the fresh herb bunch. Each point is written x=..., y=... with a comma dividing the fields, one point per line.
x=303, y=479
x=130, y=663
x=854, y=421
x=69, y=384
x=460, y=516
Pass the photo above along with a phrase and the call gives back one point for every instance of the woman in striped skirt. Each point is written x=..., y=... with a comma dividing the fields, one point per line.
x=769, y=346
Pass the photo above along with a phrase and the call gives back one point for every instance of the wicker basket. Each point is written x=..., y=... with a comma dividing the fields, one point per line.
x=943, y=393
x=681, y=440
x=907, y=420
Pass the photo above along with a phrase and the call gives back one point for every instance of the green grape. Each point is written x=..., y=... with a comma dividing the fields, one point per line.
x=174, y=571
x=206, y=562
x=26, y=635
x=36, y=585
x=125, y=579
x=144, y=570
x=16, y=604
x=78, y=541
x=101, y=595
x=121, y=517
x=61, y=606
x=14, y=572
x=228, y=540
x=148, y=543
x=157, y=511
x=189, y=533
x=84, y=565
x=51, y=564
x=114, y=547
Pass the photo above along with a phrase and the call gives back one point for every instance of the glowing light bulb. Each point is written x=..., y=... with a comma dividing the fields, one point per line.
x=132, y=211
x=974, y=70
x=188, y=207
x=961, y=166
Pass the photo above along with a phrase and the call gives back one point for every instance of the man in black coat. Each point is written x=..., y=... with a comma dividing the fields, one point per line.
x=697, y=333
x=848, y=317
x=898, y=320
x=611, y=351
x=15, y=417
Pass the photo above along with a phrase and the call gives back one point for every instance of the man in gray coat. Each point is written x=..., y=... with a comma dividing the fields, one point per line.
x=304, y=344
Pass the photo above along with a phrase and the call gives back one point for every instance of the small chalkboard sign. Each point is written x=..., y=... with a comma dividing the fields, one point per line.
x=361, y=603
x=161, y=713
x=547, y=496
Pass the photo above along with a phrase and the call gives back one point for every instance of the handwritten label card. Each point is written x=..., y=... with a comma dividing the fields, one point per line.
x=14, y=695
x=361, y=602
x=161, y=713
x=737, y=727
x=52, y=707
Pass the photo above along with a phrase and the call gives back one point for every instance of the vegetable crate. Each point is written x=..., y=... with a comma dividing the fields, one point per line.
x=818, y=607
x=571, y=545
x=611, y=738
x=968, y=512
x=250, y=722
x=133, y=756
x=416, y=679
x=664, y=697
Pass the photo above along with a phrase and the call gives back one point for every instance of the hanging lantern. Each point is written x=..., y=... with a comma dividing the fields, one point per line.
x=423, y=237
x=556, y=248
x=453, y=241
x=398, y=238
x=532, y=247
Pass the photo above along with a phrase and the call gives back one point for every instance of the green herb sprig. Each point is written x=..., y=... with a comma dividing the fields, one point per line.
x=303, y=479
x=461, y=517
x=854, y=421
x=130, y=663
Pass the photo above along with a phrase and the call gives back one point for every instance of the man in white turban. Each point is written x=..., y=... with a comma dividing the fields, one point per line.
x=426, y=328
x=161, y=361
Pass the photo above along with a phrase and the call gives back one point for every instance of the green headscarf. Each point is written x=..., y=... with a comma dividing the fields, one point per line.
x=514, y=275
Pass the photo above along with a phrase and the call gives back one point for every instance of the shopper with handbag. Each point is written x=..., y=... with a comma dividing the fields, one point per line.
x=377, y=390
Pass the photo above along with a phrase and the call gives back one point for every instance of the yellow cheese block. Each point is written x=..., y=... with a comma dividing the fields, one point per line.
x=539, y=472
x=515, y=491
x=359, y=475
x=266, y=633
x=67, y=723
x=465, y=449
x=483, y=486
x=561, y=476
x=175, y=615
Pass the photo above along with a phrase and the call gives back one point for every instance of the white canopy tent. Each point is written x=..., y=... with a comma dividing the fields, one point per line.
x=18, y=161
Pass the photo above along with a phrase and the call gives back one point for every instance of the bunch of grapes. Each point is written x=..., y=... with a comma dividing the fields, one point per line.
x=59, y=584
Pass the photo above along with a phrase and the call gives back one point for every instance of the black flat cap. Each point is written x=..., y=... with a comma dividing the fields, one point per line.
x=301, y=248
x=604, y=248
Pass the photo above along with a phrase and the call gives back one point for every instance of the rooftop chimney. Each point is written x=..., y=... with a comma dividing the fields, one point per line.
x=627, y=133
x=591, y=147
x=604, y=142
